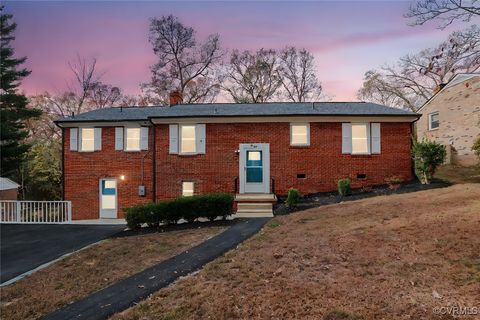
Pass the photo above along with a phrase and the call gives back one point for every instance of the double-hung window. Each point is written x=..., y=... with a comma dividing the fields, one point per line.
x=85, y=139
x=299, y=134
x=88, y=139
x=433, y=121
x=361, y=138
x=132, y=136
x=187, y=139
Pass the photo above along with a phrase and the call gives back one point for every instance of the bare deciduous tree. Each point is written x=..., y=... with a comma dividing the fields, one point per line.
x=86, y=92
x=253, y=77
x=103, y=95
x=447, y=11
x=183, y=63
x=297, y=75
x=412, y=81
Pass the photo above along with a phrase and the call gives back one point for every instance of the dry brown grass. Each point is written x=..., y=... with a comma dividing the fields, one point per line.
x=379, y=258
x=92, y=269
x=459, y=174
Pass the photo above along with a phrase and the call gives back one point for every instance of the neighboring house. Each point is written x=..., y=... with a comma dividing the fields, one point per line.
x=8, y=189
x=452, y=118
x=117, y=157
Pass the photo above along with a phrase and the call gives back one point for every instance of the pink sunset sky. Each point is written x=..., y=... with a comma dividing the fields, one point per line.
x=347, y=38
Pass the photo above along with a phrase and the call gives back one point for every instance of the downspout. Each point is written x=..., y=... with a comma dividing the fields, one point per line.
x=154, y=161
x=413, y=136
x=63, y=164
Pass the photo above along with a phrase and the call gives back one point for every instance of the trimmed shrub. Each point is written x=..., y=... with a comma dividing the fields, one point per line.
x=344, y=187
x=210, y=206
x=476, y=147
x=292, y=198
x=427, y=156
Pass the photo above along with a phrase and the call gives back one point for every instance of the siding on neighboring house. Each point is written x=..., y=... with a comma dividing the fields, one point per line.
x=322, y=162
x=83, y=170
x=458, y=110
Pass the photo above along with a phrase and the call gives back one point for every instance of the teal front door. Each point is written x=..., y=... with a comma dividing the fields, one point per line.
x=254, y=168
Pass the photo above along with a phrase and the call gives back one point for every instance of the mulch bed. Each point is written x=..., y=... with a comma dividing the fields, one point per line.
x=325, y=198
x=173, y=227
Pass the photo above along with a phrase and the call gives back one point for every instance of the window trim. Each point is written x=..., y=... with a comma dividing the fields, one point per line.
x=368, y=127
x=180, y=126
x=125, y=139
x=430, y=120
x=307, y=125
x=80, y=139
x=183, y=189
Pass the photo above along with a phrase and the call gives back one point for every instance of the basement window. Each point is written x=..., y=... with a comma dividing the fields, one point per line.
x=301, y=175
x=187, y=188
x=361, y=176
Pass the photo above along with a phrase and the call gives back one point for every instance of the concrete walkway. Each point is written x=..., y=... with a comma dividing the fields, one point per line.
x=125, y=293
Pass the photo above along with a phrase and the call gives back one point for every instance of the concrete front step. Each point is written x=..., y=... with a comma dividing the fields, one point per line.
x=255, y=209
x=255, y=197
x=254, y=206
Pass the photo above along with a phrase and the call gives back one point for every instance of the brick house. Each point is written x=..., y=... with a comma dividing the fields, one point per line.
x=452, y=118
x=118, y=157
x=8, y=189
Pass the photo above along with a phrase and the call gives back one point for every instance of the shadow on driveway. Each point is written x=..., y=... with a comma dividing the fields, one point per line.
x=24, y=247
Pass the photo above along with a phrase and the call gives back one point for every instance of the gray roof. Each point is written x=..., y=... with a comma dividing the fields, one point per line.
x=240, y=110
x=7, y=184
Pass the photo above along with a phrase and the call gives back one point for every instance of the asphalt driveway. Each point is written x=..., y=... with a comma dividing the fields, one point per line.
x=25, y=247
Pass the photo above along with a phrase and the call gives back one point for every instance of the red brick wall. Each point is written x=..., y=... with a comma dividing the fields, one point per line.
x=322, y=162
x=10, y=194
x=83, y=170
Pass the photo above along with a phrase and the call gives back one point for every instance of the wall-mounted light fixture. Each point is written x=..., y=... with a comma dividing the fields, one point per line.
x=122, y=177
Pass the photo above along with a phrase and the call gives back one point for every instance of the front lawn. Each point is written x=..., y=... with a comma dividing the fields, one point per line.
x=92, y=269
x=459, y=174
x=388, y=257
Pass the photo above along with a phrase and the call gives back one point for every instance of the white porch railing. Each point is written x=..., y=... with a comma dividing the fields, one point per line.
x=35, y=211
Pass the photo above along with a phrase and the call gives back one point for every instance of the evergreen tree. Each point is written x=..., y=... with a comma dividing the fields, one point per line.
x=13, y=111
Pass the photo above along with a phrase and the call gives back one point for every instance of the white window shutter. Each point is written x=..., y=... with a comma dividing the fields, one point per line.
x=173, y=133
x=144, y=138
x=98, y=138
x=74, y=139
x=346, y=138
x=308, y=133
x=119, y=138
x=200, y=137
x=376, y=146
x=369, y=139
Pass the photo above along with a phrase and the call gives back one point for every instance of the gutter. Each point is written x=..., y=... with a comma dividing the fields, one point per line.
x=150, y=118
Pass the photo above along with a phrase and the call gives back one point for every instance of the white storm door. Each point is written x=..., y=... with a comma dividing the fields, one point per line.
x=108, y=198
x=254, y=168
